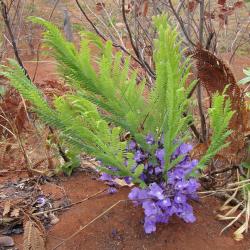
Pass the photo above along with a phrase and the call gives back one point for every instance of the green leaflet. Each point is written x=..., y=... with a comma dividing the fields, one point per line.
x=220, y=115
x=107, y=102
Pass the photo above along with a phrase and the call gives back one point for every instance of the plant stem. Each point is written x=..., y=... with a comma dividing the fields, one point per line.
x=199, y=88
x=12, y=38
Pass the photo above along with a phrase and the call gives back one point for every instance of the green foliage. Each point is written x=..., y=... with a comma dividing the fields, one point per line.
x=2, y=90
x=112, y=88
x=246, y=80
x=78, y=121
x=77, y=27
x=169, y=97
x=109, y=101
x=73, y=163
x=220, y=115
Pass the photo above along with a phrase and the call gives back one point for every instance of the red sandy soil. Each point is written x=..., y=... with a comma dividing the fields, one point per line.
x=121, y=227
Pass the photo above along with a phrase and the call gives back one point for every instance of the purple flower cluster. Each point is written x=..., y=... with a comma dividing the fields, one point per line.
x=162, y=200
x=109, y=179
x=166, y=194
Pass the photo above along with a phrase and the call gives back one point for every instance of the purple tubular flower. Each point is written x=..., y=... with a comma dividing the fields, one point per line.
x=128, y=179
x=175, y=175
x=163, y=217
x=143, y=177
x=181, y=185
x=138, y=194
x=187, y=214
x=150, y=139
x=194, y=163
x=151, y=171
x=164, y=204
x=132, y=145
x=139, y=156
x=134, y=193
x=41, y=201
x=160, y=155
x=150, y=208
x=162, y=197
x=143, y=195
x=185, y=148
x=106, y=177
x=112, y=190
x=149, y=225
x=156, y=191
x=158, y=170
x=180, y=198
x=192, y=186
x=133, y=168
x=126, y=163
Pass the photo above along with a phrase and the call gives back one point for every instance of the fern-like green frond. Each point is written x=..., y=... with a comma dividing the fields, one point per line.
x=220, y=115
x=168, y=99
x=110, y=87
x=78, y=121
x=107, y=100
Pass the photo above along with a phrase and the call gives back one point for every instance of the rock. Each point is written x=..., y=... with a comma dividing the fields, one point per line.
x=6, y=241
x=54, y=219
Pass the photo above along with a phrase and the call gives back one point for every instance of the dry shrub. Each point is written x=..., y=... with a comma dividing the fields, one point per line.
x=12, y=111
x=13, y=107
x=215, y=76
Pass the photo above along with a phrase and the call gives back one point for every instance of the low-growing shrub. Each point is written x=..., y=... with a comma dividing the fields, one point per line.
x=107, y=103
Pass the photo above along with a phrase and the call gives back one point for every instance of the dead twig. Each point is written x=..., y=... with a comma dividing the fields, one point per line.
x=13, y=41
x=136, y=51
x=54, y=7
x=70, y=205
x=180, y=21
x=98, y=32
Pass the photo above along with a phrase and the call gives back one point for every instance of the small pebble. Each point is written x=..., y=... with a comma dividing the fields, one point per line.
x=6, y=241
x=54, y=219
